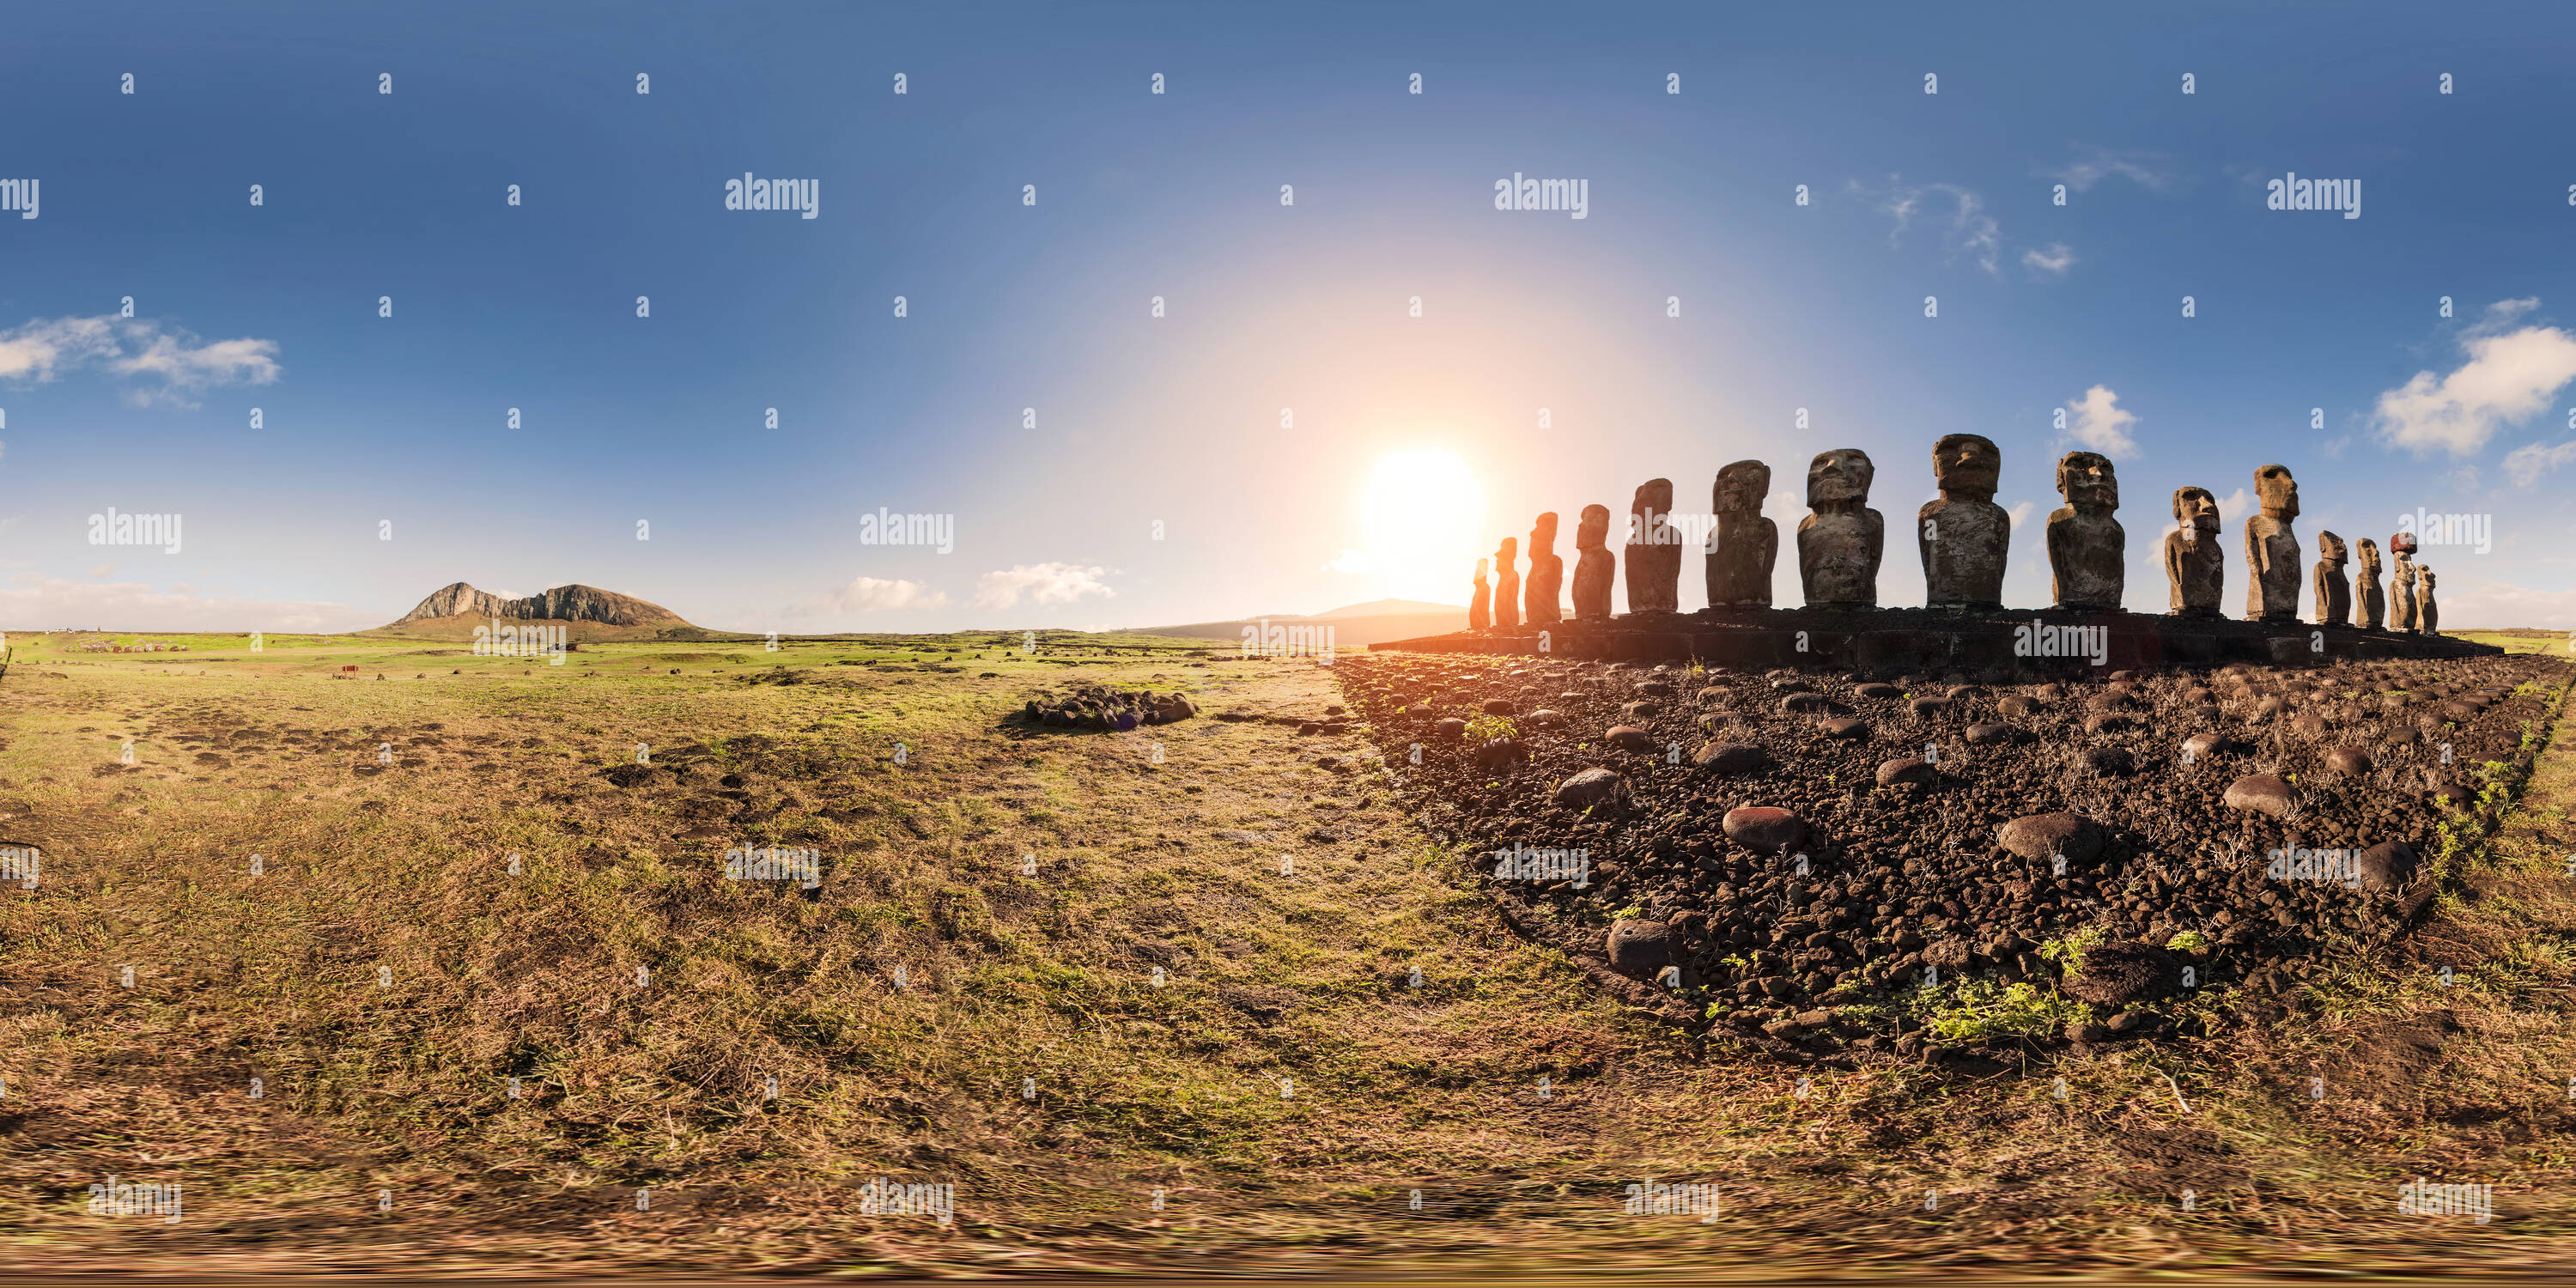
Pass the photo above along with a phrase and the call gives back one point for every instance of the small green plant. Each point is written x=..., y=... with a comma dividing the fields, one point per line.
x=2069, y=951
x=2189, y=941
x=1483, y=728
x=1630, y=912
x=1979, y=1009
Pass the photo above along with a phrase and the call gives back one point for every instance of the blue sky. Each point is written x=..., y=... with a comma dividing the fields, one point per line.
x=1177, y=420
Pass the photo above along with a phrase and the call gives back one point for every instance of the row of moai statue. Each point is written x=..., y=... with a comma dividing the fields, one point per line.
x=1963, y=537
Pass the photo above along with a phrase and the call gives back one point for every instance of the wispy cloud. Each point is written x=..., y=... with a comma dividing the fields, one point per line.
x=2051, y=260
x=2511, y=375
x=34, y=601
x=1046, y=583
x=2100, y=423
x=1955, y=213
x=44, y=350
x=2153, y=171
x=2527, y=464
x=869, y=594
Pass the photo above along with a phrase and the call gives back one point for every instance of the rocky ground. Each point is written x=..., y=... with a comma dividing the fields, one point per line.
x=1834, y=864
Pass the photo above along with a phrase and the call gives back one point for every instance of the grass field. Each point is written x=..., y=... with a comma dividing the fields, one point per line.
x=1064, y=973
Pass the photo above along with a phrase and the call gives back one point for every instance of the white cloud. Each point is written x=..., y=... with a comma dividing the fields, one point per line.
x=1968, y=230
x=2464, y=479
x=103, y=570
x=2101, y=424
x=2510, y=377
x=2021, y=512
x=2527, y=463
x=32, y=602
x=869, y=594
x=2093, y=164
x=2471, y=604
x=1351, y=561
x=2052, y=260
x=44, y=350
x=2236, y=505
x=1046, y=583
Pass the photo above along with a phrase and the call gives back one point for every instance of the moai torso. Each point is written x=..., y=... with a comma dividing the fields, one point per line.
x=1507, y=584
x=1962, y=534
x=2195, y=562
x=1593, y=564
x=1745, y=545
x=2334, y=593
x=2401, y=592
x=1654, y=551
x=1542, y=597
x=2369, y=602
x=1480, y=610
x=2426, y=614
x=2087, y=548
x=1841, y=541
x=2272, y=549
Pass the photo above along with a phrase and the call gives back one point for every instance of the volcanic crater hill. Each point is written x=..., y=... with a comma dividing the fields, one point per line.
x=1844, y=864
x=586, y=612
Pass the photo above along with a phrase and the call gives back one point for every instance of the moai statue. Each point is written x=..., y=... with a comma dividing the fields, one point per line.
x=1593, y=565
x=1654, y=551
x=1480, y=611
x=2401, y=582
x=1744, y=545
x=1840, y=543
x=2272, y=549
x=2087, y=549
x=1544, y=604
x=2369, y=602
x=1963, y=534
x=2334, y=592
x=2195, y=564
x=1507, y=584
x=2426, y=614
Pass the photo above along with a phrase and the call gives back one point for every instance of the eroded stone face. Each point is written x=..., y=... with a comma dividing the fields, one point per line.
x=1841, y=542
x=1654, y=551
x=2272, y=552
x=1745, y=546
x=2087, y=548
x=1507, y=584
x=2369, y=602
x=2195, y=564
x=1542, y=595
x=1593, y=564
x=1962, y=534
x=2333, y=591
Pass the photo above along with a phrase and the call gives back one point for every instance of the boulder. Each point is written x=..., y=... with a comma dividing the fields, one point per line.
x=2118, y=973
x=1629, y=738
x=1907, y=770
x=1763, y=829
x=1639, y=949
x=1731, y=758
x=2387, y=865
x=2261, y=794
x=1589, y=788
x=2039, y=836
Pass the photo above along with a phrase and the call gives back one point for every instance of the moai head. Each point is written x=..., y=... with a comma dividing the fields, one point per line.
x=2279, y=491
x=2424, y=577
x=1839, y=479
x=2086, y=481
x=1543, y=534
x=1484, y=568
x=1967, y=466
x=2195, y=508
x=1655, y=495
x=1742, y=487
x=1592, y=531
x=2330, y=549
x=2369, y=557
x=2402, y=544
x=1509, y=555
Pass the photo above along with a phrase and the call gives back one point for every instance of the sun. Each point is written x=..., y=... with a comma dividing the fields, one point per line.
x=1422, y=519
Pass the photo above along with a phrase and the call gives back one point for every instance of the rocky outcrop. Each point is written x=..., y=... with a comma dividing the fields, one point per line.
x=561, y=604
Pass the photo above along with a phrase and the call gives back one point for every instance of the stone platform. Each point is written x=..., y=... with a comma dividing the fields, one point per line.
x=1918, y=638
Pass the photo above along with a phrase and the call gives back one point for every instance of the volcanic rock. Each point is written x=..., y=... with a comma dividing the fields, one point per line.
x=2261, y=794
x=1764, y=829
x=2039, y=836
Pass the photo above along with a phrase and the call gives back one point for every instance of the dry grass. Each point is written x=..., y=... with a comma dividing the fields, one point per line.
x=1299, y=979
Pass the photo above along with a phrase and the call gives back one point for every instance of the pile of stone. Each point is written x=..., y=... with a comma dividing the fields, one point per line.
x=1793, y=852
x=1101, y=708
